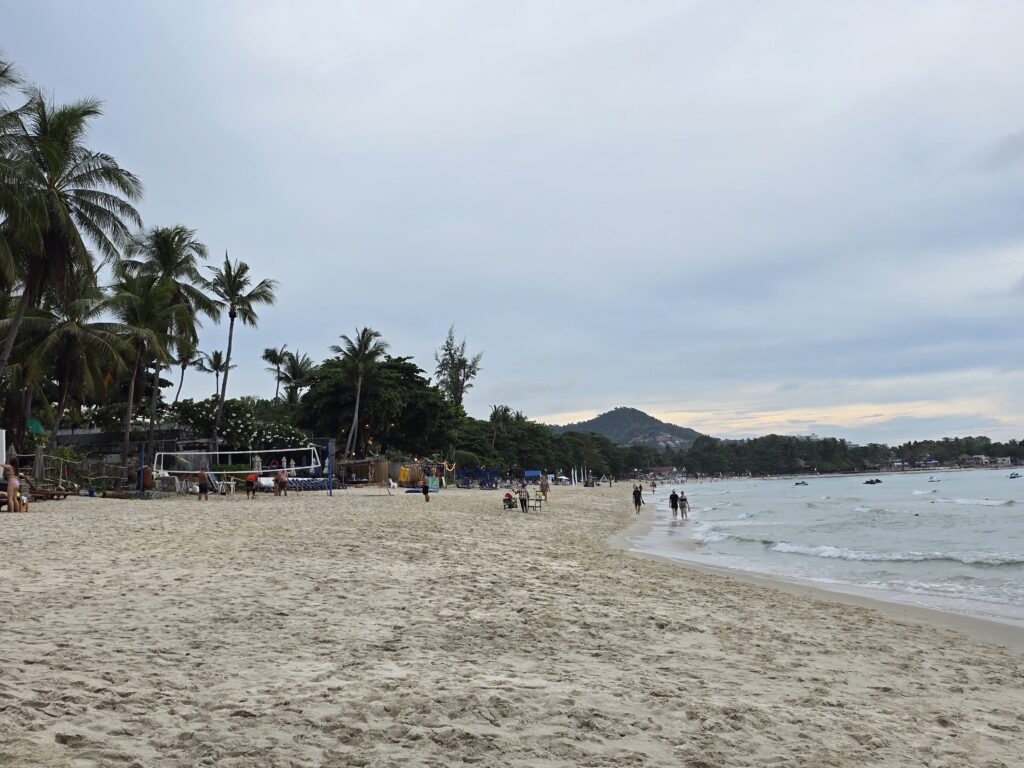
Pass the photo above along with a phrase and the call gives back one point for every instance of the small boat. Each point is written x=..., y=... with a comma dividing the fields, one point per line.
x=1014, y=475
x=874, y=481
x=801, y=482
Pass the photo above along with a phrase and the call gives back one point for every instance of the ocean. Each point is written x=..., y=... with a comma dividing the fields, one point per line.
x=951, y=541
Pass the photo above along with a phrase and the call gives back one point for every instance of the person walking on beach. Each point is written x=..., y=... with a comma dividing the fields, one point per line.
x=252, y=483
x=673, y=502
x=524, y=496
x=684, y=507
x=544, y=487
x=425, y=487
x=203, y=484
x=281, y=482
x=638, y=498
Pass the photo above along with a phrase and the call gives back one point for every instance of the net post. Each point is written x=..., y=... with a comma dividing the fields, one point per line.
x=330, y=467
x=142, y=470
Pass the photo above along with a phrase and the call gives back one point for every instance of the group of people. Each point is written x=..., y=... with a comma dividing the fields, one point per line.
x=678, y=503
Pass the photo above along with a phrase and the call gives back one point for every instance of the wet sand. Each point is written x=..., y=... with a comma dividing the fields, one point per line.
x=374, y=630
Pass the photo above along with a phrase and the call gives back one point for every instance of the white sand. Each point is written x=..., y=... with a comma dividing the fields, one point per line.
x=366, y=630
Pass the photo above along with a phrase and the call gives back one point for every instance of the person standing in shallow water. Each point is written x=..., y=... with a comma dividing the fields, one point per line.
x=638, y=498
x=673, y=502
x=684, y=507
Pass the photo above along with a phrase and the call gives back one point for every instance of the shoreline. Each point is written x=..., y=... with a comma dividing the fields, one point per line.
x=990, y=631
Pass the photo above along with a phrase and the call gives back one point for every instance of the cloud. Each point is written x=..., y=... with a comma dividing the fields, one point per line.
x=762, y=213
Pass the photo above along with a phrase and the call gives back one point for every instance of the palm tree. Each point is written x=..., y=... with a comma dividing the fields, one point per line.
x=232, y=285
x=75, y=347
x=501, y=417
x=295, y=374
x=188, y=357
x=367, y=349
x=214, y=363
x=11, y=136
x=172, y=255
x=144, y=304
x=275, y=358
x=69, y=195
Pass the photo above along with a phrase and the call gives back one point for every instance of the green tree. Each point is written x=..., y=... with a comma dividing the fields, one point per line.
x=233, y=285
x=364, y=352
x=275, y=357
x=172, y=255
x=455, y=372
x=500, y=419
x=188, y=357
x=72, y=343
x=144, y=305
x=214, y=363
x=294, y=374
x=70, y=196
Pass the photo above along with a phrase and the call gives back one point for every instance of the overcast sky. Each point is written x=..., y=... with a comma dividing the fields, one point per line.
x=742, y=217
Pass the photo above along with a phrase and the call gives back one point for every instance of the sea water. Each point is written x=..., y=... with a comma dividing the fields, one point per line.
x=951, y=540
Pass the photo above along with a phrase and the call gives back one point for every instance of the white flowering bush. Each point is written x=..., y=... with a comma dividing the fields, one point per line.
x=240, y=430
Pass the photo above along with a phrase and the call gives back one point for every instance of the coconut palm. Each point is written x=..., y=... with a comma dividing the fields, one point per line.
x=232, y=284
x=275, y=358
x=172, y=255
x=74, y=347
x=11, y=136
x=214, y=363
x=295, y=374
x=188, y=357
x=501, y=417
x=363, y=353
x=145, y=305
x=70, y=197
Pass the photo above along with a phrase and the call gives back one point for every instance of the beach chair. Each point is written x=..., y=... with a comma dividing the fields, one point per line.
x=35, y=493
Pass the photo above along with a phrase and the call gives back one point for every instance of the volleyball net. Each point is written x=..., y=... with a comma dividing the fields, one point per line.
x=297, y=462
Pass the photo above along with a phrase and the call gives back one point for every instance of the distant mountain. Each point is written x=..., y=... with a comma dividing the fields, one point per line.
x=628, y=426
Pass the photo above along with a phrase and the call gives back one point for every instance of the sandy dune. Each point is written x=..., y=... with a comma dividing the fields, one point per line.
x=375, y=631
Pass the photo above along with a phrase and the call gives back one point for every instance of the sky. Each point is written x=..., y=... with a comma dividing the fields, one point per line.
x=741, y=217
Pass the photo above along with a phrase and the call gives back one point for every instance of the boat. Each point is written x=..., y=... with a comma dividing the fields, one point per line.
x=1014, y=475
x=801, y=482
x=934, y=479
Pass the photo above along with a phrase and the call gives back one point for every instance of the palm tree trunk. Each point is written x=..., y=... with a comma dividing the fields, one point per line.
x=181, y=383
x=350, y=443
x=277, y=389
x=128, y=410
x=224, y=386
x=61, y=403
x=13, y=333
x=152, y=404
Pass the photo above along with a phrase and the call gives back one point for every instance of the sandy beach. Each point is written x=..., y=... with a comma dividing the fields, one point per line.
x=370, y=630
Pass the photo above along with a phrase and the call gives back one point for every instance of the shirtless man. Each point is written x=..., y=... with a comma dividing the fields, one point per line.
x=203, y=481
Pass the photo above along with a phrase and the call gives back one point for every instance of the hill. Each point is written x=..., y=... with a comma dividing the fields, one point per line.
x=628, y=426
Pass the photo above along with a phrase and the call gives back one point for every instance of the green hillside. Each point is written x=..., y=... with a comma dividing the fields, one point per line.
x=628, y=426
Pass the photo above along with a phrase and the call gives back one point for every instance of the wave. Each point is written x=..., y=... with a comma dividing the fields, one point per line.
x=980, y=502
x=967, y=558
x=990, y=559
x=922, y=493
